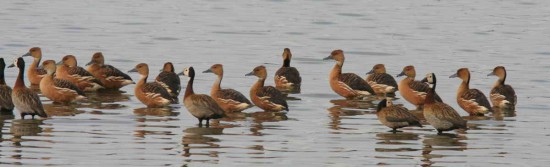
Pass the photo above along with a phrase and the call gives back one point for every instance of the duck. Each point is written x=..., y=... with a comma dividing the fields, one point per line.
x=472, y=101
x=110, y=76
x=152, y=94
x=169, y=80
x=6, y=103
x=229, y=100
x=267, y=98
x=202, y=106
x=69, y=70
x=348, y=85
x=412, y=90
x=502, y=95
x=34, y=74
x=381, y=82
x=287, y=78
x=24, y=99
x=395, y=116
x=440, y=115
x=58, y=90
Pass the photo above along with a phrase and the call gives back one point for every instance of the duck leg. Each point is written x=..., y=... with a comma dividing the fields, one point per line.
x=208, y=122
x=23, y=115
x=200, y=122
x=439, y=132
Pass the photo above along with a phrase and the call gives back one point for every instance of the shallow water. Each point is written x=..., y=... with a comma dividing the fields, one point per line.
x=321, y=129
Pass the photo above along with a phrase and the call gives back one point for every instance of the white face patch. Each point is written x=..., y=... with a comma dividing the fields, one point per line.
x=186, y=71
x=15, y=61
x=430, y=78
x=389, y=102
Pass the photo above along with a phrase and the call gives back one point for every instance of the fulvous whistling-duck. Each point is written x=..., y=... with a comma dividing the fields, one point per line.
x=348, y=85
x=24, y=99
x=414, y=91
x=288, y=78
x=438, y=114
x=169, y=80
x=395, y=116
x=380, y=81
x=267, y=98
x=58, y=90
x=110, y=76
x=6, y=104
x=472, y=101
x=34, y=74
x=502, y=95
x=229, y=100
x=151, y=94
x=69, y=70
x=199, y=105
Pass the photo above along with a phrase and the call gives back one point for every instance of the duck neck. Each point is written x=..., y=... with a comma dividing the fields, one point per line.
x=35, y=63
x=2, y=79
x=336, y=70
x=430, y=97
x=259, y=84
x=464, y=86
x=19, y=82
x=286, y=62
x=142, y=80
x=217, y=85
x=189, y=89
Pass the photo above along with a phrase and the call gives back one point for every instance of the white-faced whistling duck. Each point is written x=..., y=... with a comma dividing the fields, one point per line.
x=110, y=77
x=472, y=101
x=267, y=98
x=69, y=70
x=348, y=85
x=58, y=90
x=288, y=78
x=6, y=104
x=229, y=100
x=24, y=99
x=414, y=91
x=502, y=96
x=34, y=74
x=169, y=80
x=152, y=94
x=202, y=106
x=381, y=82
x=438, y=114
x=395, y=116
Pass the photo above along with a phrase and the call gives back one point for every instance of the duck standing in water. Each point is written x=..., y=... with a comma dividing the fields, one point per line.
x=229, y=100
x=267, y=98
x=438, y=114
x=202, y=106
x=414, y=91
x=24, y=99
x=169, y=80
x=58, y=90
x=395, y=116
x=288, y=78
x=6, y=103
x=502, y=95
x=34, y=74
x=152, y=94
x=381, y=82
x=472, y=101
x=348, y=85
x=110, y=76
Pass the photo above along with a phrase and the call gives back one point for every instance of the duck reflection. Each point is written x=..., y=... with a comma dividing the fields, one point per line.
x=196, y=138
x=53, y=109
x=106, y=99
x=444, y=142
x=396, y=139
x=499, y=114
x=160, y=112
x=336, y=114
x=356, y=104
x=26, y=127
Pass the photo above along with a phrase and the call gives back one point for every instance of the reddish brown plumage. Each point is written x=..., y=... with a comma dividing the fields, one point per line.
x=347, y=85
x=414, y=91
x=288, y=78
x=229, y=100
x=151, y=94
x=267, y=98
x=110, y=77
x=84, y=80
x=58, y=90
x=34, y=74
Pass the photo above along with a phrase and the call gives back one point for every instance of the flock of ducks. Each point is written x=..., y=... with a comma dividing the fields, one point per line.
x=65, y=82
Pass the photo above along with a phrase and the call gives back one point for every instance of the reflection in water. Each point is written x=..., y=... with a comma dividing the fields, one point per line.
x=337, y=112
x=61, y=110
x=26, y=127
x=155, y=112
x=356, y=104
x=500, y=114
x=445, y=142
x=195, y=139
x=397, y=139
x=106, y=99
